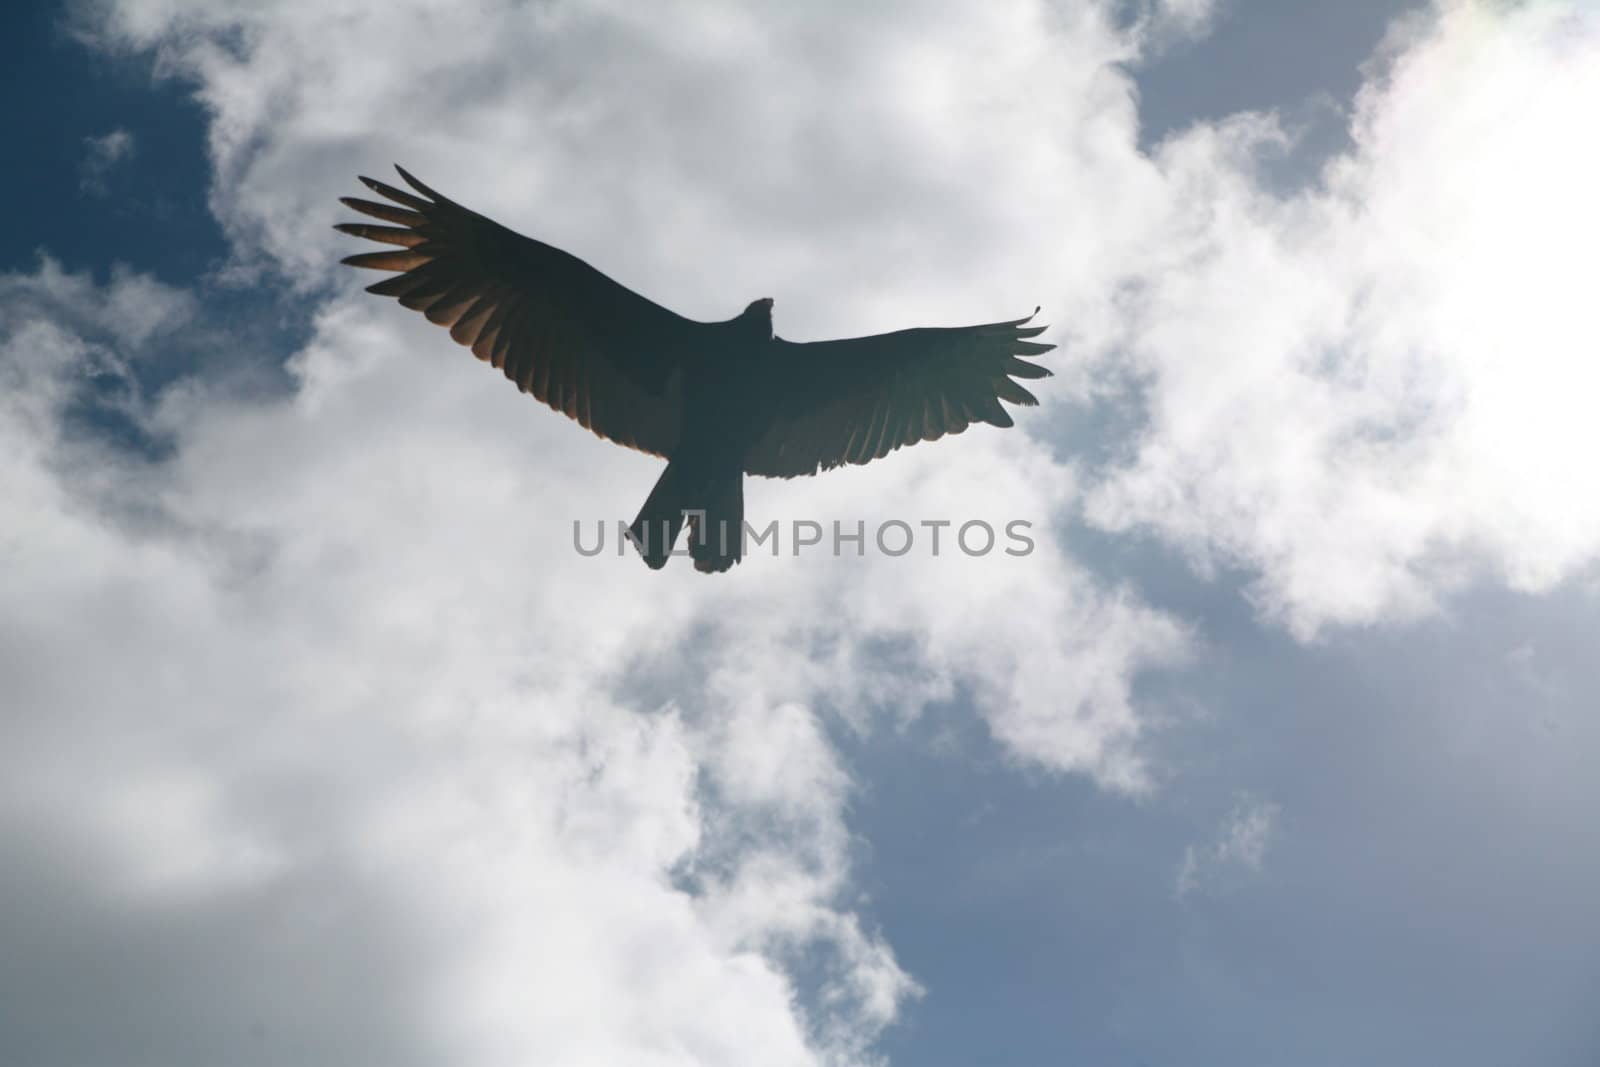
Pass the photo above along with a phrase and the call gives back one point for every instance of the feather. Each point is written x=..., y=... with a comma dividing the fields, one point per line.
x=399, y=196
x=430, y=288
x=954, y=418
x=419, y=187
x=869, y=440
x=483, y=347
x=385, y=260
x=470, y=324
x=990, y=411
x=1009, y=390
x=389, y=235
x=397, y=284
x=387, y=212
x=449, y=308
x=508, y=336
x=1021, y=369
x=540, y=358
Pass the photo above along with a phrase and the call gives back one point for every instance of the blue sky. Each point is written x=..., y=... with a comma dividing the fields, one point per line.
x=322, y=745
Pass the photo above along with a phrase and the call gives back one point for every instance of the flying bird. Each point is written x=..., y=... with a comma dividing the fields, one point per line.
x=716, y=400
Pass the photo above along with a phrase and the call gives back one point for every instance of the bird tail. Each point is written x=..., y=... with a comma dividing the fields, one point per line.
x=656, y=529
x=716, y=528
x=713, y=506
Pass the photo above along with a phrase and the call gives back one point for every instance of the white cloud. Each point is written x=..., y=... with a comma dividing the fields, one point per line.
x=340, y=639
x=333, y=655
x=1238, y=850
x=314, y=657
x=1377, y=390
x=126, y=314
x=1367, y=393
x=571, y=123
x=101, y=154
x=337, y=645
x=1160, y=23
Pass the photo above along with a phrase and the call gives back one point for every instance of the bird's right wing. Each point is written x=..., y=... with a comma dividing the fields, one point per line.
x=584, y=344
x=858, y=399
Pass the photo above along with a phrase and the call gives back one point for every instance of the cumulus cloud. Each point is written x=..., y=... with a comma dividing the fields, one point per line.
x=378, y=783
x=569, y=122
x=353, y=696
x=326, y=679
x=1377, y=390
x=554, y=809
x=1365, y=394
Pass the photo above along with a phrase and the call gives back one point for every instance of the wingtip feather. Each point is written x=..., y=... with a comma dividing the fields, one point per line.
x=1012, y=393
x=387, y=212
x=1021, y=368
x=385, y=260
x=405, y=237
x=1019, y=322
x=399, y=196
x=412, y=181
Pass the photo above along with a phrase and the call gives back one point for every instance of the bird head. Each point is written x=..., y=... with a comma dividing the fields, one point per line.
x=760, y=311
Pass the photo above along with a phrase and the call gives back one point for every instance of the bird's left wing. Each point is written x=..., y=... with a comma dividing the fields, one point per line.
x=858, y=399
x=584, y=344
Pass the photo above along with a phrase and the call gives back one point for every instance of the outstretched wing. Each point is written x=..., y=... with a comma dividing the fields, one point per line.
x=856, y=400
x=584, y=344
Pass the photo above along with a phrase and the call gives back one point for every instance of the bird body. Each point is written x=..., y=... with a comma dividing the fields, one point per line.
x=717, y=400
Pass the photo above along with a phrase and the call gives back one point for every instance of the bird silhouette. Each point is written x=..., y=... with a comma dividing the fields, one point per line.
x=717, y=400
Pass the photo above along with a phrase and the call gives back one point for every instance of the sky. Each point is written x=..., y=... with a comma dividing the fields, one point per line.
x=320, y=743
